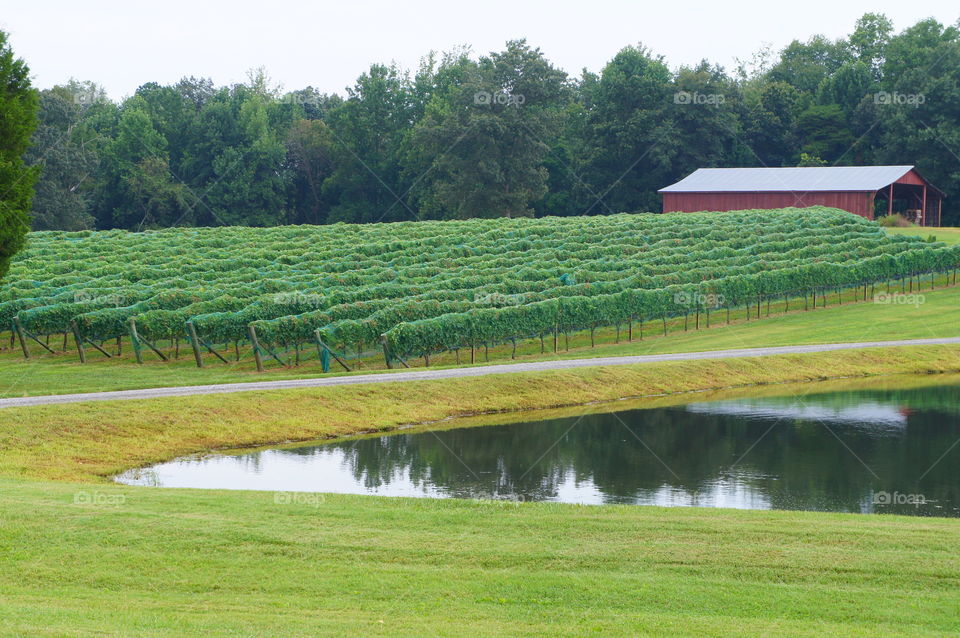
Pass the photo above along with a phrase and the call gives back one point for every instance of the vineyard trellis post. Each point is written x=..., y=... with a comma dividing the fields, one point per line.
x=134, y=340
x=195, y=344
x=18, y=328
x=257, y=356
x=79, y=341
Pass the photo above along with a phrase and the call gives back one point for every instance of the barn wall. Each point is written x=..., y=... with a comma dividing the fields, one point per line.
x=911, y=177
x=855, y=202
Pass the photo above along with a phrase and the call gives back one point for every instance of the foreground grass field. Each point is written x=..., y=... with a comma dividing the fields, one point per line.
x=930, y=314
x=150, y=562
x=94, y=558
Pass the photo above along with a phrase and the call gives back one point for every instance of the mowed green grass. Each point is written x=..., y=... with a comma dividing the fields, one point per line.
x=80, y=560
x=929, y=314
x=948, y=235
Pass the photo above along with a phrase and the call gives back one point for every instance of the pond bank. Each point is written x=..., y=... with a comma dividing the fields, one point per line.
x=93, y=441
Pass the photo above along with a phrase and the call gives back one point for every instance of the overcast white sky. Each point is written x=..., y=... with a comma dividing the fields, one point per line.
x=123, y=44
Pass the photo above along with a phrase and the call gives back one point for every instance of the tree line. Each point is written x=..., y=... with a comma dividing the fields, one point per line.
x=503, y=134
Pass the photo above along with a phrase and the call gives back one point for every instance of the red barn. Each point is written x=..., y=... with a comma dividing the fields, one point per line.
x=858, y=189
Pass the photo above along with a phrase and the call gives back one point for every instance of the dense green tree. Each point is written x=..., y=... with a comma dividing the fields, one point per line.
x=310, y=156
x=18, y=118
x=369, y=129
x=487, y=138
x=626, y=155
x=141, y=191
x=69, y=162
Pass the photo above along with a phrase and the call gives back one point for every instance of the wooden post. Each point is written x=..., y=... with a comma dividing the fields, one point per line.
x=252, y=334
x=134, y=339
x=386, y=351
x=23, y=340
x=923, y=207
x=890, y=201
x=195, y=343
x=79, y=341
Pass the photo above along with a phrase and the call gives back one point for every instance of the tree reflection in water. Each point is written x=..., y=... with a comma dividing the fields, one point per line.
x=824, y=452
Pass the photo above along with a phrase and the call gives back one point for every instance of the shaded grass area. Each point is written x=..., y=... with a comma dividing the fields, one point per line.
x=121, y=561
x=927, y=314
x=90, y=441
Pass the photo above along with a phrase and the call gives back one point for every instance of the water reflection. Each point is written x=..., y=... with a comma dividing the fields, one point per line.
x=837, y=452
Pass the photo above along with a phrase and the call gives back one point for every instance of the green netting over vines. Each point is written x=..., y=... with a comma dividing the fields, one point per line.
x=432, y=286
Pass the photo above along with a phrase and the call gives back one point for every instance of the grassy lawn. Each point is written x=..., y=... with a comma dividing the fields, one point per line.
x=947, y=235
x=182, y=562
x=936, y=315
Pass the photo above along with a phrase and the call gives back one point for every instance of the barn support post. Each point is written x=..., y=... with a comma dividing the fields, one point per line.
x=18, y=328
x=195, y=344
x=923, y=207
x=134, y=339
x=890, y=201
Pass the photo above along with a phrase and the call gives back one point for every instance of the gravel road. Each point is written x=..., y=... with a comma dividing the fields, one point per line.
x=452, y=373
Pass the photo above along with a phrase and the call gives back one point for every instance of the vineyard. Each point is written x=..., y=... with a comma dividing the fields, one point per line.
x=417, y=288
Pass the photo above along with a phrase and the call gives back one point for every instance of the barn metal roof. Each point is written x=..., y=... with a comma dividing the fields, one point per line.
x=793, y=179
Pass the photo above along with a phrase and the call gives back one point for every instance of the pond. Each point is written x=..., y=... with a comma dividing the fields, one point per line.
x=868, y=450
